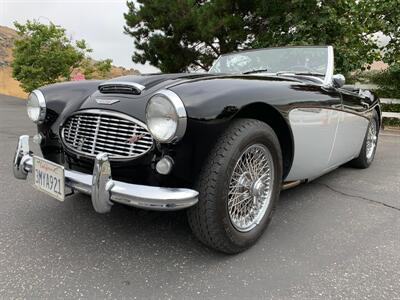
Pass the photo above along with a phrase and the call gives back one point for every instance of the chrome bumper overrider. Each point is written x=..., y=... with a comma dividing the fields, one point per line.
x=104, y=190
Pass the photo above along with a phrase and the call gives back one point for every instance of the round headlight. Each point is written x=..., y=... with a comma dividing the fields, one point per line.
x=166, y=117
x=36, y=106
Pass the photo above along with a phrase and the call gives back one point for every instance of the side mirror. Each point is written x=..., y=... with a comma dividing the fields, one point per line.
x=338, y=80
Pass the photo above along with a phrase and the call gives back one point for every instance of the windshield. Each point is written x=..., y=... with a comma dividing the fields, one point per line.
x=311, y=60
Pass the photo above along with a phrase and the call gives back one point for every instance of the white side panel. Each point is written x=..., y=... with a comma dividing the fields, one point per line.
x=349, y=138
x=314, y=132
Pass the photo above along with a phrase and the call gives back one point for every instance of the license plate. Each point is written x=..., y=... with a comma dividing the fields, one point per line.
x=49, y=178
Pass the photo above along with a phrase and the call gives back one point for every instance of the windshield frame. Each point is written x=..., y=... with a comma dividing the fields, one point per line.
x=329, y=67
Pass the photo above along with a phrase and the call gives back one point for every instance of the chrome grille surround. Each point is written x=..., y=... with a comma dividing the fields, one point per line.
x=92, y=131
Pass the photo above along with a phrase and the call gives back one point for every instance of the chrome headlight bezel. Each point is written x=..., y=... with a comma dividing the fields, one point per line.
x=180, y=116
x=36, y=106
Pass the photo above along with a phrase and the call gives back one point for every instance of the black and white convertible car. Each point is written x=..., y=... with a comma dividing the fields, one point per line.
x=220, y=144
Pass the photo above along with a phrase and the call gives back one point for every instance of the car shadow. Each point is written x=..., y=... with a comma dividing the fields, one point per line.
x=134, y=228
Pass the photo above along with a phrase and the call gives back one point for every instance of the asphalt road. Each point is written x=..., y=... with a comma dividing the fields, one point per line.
x=337, y=237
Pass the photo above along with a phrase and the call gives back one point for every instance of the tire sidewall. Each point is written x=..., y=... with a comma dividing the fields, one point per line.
x=269, y=140
x=367, y=161
x=373, y=119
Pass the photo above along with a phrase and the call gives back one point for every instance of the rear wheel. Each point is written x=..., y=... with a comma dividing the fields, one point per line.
x=367, y=153
x=238, y=187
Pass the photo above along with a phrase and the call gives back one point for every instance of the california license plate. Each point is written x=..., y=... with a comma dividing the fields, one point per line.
x=49, y=178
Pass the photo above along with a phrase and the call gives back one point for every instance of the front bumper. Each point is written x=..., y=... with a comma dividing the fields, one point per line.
x=104, y=190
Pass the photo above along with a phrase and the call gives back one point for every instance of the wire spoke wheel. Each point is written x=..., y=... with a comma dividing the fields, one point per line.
x=235, y=206
x=372, y=138
x=250, y=187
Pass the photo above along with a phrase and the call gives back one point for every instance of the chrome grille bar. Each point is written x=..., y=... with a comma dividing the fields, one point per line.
x=90, y=132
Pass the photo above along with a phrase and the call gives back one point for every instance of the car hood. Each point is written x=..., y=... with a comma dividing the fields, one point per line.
x=155, y=82
x=205, y=96
x=199, y=92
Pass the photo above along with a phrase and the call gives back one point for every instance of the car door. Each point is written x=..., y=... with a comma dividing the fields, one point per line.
x=351, y=129
x=314, y=125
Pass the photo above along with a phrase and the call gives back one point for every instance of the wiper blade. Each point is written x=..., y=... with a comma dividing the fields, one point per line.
x=309, y=73
x=299, y=73
x=255, y=71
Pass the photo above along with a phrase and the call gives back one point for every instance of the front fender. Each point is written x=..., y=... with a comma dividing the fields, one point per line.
x=66, y=97
x=216, y=98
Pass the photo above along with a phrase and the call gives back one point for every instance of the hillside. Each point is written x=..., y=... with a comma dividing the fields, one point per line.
x=8, y=85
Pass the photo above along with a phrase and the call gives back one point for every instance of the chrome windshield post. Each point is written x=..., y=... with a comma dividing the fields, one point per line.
x=329, y=67
x=102, y=184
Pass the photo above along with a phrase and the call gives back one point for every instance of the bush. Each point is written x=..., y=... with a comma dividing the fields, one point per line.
x=392, y=107
x=393, y=122
x=364, y=77
x=388, y=82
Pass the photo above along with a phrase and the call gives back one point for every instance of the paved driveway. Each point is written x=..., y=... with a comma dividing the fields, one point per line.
x=337, y=237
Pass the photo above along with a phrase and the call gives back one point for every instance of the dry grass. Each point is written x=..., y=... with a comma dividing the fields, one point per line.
x=8, y=85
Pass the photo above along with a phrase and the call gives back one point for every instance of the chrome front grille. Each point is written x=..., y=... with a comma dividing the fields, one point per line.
x=90, y=132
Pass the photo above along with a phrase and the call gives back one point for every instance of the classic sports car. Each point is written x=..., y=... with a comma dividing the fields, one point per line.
x=220, y=144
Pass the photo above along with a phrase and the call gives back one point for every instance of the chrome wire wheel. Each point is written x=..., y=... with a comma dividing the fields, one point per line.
x=250, y=187
x=372, y=138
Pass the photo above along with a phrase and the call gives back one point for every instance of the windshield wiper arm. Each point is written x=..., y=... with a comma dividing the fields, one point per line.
x=255, y=71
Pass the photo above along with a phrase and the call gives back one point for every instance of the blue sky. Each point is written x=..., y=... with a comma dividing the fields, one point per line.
x=99, y=22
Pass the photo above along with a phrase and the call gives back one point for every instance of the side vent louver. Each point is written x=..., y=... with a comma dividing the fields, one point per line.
x=131, y=88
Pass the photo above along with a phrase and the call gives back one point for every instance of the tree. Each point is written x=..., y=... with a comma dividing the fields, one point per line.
x=384, y=18
x=340, y=23
x=180, y=35
x=43, y=54
x=103, y=67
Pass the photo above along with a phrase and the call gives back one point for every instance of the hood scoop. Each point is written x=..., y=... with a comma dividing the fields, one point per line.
x=121, y=87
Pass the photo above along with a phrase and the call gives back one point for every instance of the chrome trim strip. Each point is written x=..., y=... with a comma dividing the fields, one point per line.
x=42, y=105
x=180, y=111
x=102, y=187
x=135, y=85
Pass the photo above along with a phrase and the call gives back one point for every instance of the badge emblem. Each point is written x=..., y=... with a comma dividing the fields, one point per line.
x=106, y=101
x=80, y=143
x=134, y=138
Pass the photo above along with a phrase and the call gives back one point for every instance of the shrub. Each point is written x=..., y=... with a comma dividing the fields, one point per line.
x=393, y=122
x=388, y=82
x=392, y=107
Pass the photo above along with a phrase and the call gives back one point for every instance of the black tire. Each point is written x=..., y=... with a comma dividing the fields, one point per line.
x=363, y=161
x=209, y=219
